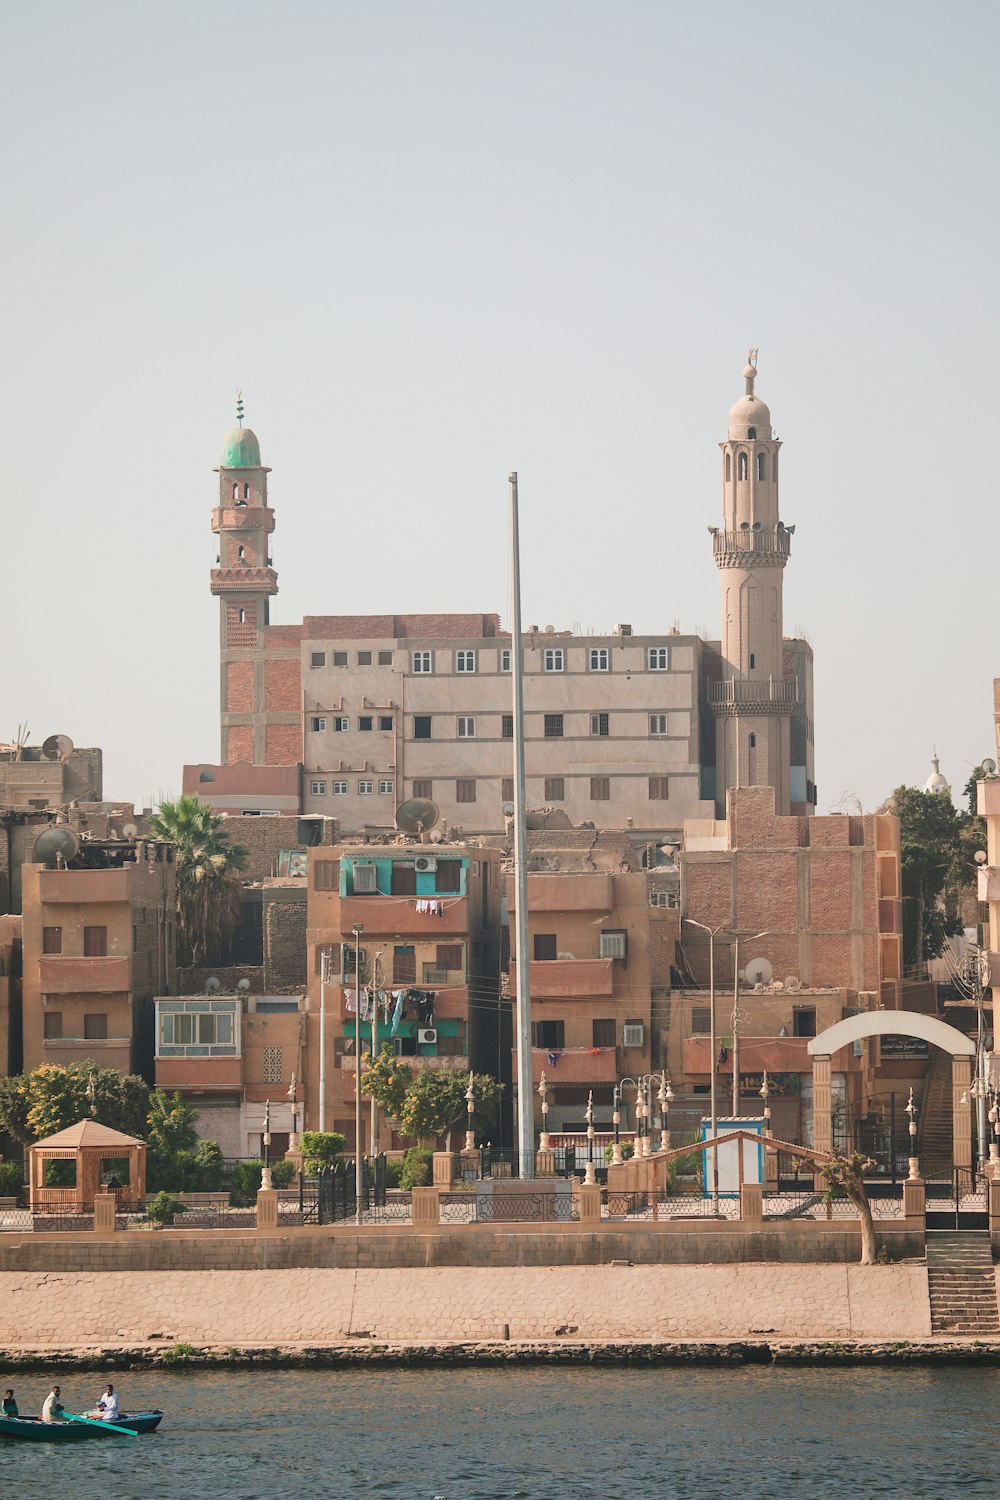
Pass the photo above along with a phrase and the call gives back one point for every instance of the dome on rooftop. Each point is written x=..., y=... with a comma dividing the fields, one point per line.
x=240, y=449
x=935, y=781
x=748, y=412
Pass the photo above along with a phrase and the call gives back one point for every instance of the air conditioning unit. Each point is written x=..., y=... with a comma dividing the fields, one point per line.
x=426, y=1035
x=425, y=863
x=365, y=880
x=633, y=1036
x=614, y=945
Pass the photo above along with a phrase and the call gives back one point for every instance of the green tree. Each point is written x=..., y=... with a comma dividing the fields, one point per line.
x=177, y=1159
x=208, y=884
x=931, y=855
x=387, y=1082
x=321, y=1148
x=846, y=1177
x=435, y=1103
x=36, y=1105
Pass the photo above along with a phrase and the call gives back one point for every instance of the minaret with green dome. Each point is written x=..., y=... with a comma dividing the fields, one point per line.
x=244, y=582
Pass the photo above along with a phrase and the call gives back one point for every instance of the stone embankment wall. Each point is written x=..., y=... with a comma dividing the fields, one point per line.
x=604, y=1303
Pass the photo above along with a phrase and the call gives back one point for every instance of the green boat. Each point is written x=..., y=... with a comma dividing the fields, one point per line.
x=34, y=1430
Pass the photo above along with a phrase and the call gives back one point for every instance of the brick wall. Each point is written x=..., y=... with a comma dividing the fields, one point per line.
x=282, y=686
x=283, y=745
x=284, y=945
x=239, y=743
x=239, y=687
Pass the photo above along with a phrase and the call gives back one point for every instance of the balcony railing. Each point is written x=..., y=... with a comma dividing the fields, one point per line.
x=738, y=692
x=730, y=544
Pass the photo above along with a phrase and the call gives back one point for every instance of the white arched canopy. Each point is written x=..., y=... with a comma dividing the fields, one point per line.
x=891, y=1023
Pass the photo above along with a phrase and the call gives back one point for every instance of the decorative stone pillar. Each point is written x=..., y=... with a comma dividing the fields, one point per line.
x=590, y=1202
x=545, y=1163
x=267, y=1211
x=993, y=1200
x=961, y=1112
x=105, y=1222
x=822, y=1111
x=752, y=1201
x=444, y=1169
x=914, y=1199
x=426, y=1207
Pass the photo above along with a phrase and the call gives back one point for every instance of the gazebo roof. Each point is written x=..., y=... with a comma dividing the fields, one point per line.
x=89, y=1133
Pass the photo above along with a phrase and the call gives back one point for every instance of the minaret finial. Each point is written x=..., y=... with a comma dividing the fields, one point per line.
x=239, y=406
x=750, y=373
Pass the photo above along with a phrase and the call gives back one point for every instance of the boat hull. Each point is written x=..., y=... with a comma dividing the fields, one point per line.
x=34, y=1430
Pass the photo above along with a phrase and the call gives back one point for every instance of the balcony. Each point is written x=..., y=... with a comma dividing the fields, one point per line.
x=242, y=518
x=199, y=1072
x=104, y=886
x=764, y=696
x=106, y=1052
x=84, y=976
x=572, y=1064
x=741, y=549
x=568, y=978
x=776, y=1054
x=989, y=883
x=564, y=893
x=397, y=916
x=247, y=580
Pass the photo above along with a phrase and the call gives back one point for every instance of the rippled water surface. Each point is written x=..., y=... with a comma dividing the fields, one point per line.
x=535, y=1434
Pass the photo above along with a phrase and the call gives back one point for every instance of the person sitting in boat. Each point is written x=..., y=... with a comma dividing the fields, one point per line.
x=53, y=1408
x=9, y=1406
x=107, y=1406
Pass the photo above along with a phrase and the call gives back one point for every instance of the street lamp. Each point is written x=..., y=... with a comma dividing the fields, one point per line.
x=616, y=1116
x=911, y=1110
x=713, y=933
x=293, y=1097
x=665, y=1097
x=543, y=1094
x=470, y=1104
x=265, y=1173
x=738, y=1016
x=589, y=1176
x=357, y=930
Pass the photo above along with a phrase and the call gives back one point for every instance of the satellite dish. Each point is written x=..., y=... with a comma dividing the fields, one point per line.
x=57, y=747
x=130, y=831
x=508, y=809
x=758, y=971
x=417, y=816
x=437, y=837
x=793, y=983
x=244, y=986
x=990, y=767
x=212, y=984
x=56, y=846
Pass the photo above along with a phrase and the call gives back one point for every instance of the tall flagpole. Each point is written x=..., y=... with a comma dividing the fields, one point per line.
x=525, y=1089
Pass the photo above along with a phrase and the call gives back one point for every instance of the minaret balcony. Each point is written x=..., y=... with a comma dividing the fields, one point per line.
x=751, y=549
x=242, y=518
x=742, y=696
x=244, y=580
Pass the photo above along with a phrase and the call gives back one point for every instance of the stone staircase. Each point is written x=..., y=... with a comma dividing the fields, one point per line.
x=934, y=1121
x=962, y=1282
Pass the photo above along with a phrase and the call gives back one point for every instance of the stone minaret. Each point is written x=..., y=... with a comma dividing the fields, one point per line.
x=754, y=702
x=244, y=582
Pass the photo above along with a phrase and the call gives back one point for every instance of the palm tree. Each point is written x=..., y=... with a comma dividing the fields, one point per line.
x=208, y=886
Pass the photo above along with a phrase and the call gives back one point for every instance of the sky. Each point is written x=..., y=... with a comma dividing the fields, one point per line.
x=436, y=242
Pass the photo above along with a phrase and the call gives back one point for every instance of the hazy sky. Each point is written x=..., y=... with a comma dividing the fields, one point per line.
x=434, y=242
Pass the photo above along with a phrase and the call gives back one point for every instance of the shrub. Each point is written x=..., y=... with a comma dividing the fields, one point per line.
x=416, y=1171
x=393, y=1171
x=11, y=1179
x=321, y=1149
x=244, y=1185
x=164, y=1209
x=628, y=1151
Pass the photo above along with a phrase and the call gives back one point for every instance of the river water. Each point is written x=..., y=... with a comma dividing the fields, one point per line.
x=538, y=1433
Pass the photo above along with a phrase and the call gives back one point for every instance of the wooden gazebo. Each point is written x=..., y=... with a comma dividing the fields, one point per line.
x=100, y=1154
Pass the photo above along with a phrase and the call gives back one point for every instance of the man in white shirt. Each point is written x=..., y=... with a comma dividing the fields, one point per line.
x=53, y=1408
x=107, y=1405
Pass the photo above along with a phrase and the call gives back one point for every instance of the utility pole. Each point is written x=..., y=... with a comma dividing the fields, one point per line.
x=525, y=1092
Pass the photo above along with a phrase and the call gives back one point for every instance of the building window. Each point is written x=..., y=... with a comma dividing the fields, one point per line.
x=548, y=1034
x=423, y=788
x=421, y=661
x=555, y=789
x=51, y=939
x=741, y=466
x=403, y=881
x=385, y=658
x=404, y=965
x=507, y=788
x=465, y=790
x=366, y=788
x=465, y=661
x=600, y=788
x=657, y=725
x=242, y=617
x=386, y=788
x=701, y=1020
x=729, y=467
x=364, y=658
x=318, y=788
x=753, y=742
x=385, y=723
x=318, y=725
x=753, y=661
x=658, y=658
x=272, y=1065
x=553, y=726
x=448, y=876
x=602, y=1033
x=53, y=1024
x=421, y=726
x=804, y=1020
x=196, y=1029
x=340, y=726
x=554, y=659
x=761, y=466
x=338, y=788
x=340, y=658
x=659, y=788
x=505, y=659
x=366, y=723
x=318, y=659
x=95, y=1027
x=544, y=947
x=599, y=659
x=507, y=726
x=325, y=875
x=95, y=942
x=450, y=958
x=466, y=727
x=599, y=725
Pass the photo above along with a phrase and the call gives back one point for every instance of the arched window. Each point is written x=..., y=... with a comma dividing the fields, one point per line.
x=753, y=661
x=243, y=616
x=729, y=467
x=741, y=466
x=236, y=492
x=241, y=555
x=761, y=466
x=246, y=492
x=753, y=742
